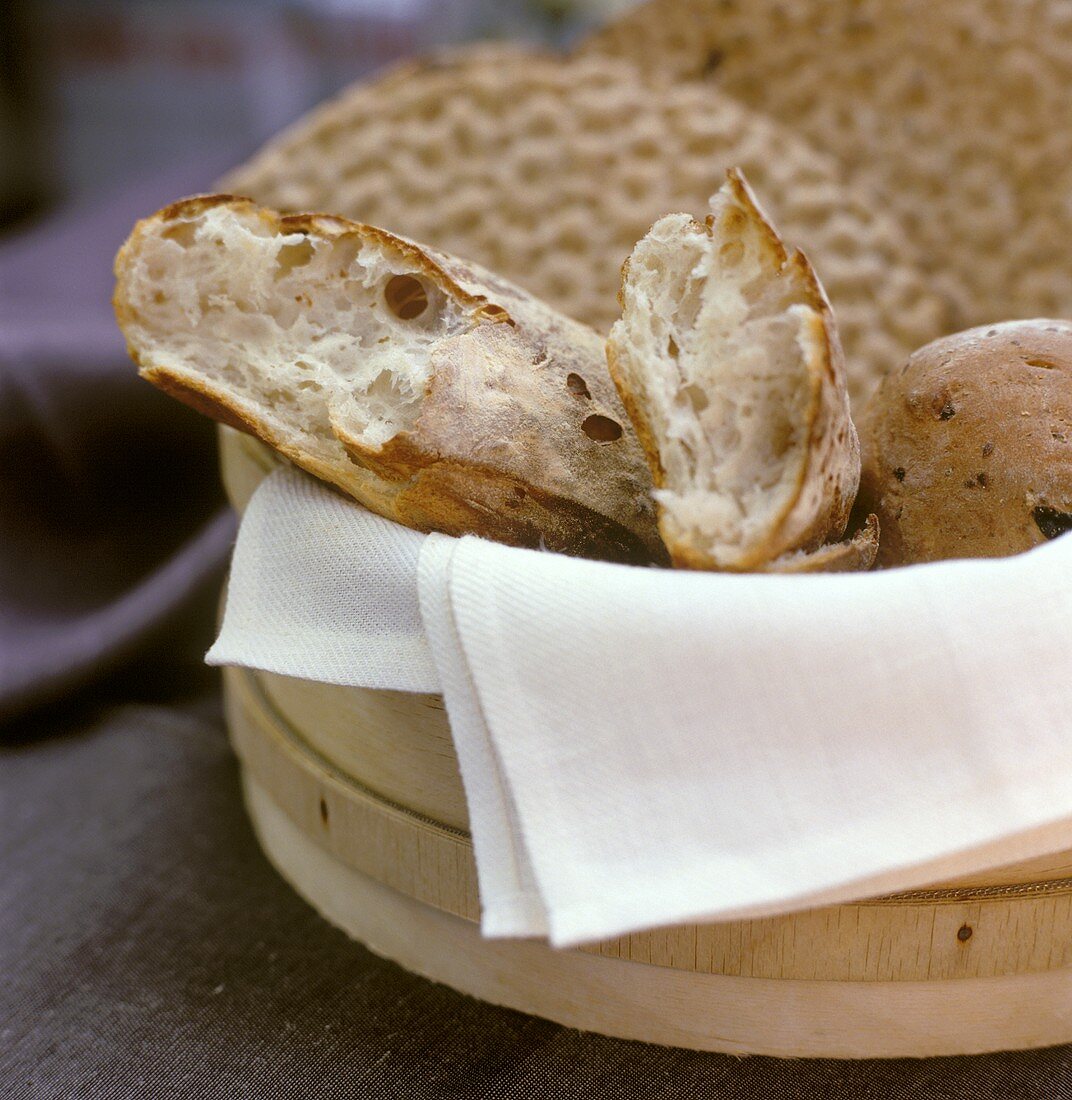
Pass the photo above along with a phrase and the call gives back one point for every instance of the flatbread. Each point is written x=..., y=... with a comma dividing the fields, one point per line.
x=549, y=169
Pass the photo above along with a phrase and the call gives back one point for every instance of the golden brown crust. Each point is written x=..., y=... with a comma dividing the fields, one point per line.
x=462, y=499
x=818, y=509
x=831, y=472
x=638, y=416
x=201, y=398
x=501, y=447
x=746, y=199
x=830, y=476
x=374, y=493
x=968, y=447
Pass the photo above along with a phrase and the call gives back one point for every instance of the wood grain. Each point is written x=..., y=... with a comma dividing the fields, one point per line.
x=943, y=934
x=417, y=856
x=737, y=1015
x=373, y=779
x=397, y=744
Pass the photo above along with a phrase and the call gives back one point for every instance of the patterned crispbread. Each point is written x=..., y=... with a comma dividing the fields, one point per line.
x=953, y=114
x=549, y=169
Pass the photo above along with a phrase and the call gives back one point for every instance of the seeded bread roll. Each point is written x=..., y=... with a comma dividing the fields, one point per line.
x=431, y=391
x=728, y=361
x=967, y=449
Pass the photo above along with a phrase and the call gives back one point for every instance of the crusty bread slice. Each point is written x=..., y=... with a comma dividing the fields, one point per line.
x=431, y=391
x=728, y=361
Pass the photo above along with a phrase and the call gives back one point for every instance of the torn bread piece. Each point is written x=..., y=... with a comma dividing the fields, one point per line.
x=728, y=361
x=855, y=555
x=431, y=391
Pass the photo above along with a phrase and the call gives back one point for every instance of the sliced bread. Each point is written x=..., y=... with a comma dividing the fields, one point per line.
x=431, y=391
x=728, y=361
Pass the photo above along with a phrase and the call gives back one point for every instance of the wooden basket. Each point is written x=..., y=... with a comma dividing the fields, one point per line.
x=357, y=799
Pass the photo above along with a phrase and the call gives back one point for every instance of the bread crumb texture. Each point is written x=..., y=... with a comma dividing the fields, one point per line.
x=549, y=169
x=728, y=361
x=433, y=392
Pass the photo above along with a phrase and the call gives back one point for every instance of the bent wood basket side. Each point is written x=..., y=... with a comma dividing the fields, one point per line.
x=357, y=798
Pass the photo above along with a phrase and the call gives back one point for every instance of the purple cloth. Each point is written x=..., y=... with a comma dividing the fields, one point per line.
x=112, y=520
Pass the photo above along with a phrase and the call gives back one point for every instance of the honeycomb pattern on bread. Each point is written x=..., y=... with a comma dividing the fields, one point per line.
x=956, y=114
x=548, y=170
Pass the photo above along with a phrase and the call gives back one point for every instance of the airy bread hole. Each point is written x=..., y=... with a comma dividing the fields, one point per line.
x=734, y=220
x=385, y=385
x=782, y=437
x=731, y=253
x=492, y=312
x=291, y=256
x=696, y=397
x=182, y=233
x=1045, y=364
x=387, y=406
x=406, y=297
x=578, y=387
x=601, y=429
x=687, y=308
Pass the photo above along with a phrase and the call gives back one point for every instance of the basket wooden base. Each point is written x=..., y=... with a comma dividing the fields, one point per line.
x=357, y=798
x=658, y=1004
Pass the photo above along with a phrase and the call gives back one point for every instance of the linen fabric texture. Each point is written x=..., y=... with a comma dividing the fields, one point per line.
x=643, y=747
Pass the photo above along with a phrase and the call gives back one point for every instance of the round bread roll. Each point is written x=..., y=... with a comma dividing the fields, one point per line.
x=967, y=449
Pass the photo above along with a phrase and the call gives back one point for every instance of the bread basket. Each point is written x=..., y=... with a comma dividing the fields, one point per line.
x=548, y=170
x=357, y=800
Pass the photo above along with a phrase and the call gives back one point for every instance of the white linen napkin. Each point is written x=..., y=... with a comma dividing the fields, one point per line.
x=323, y=589
x=643, y=747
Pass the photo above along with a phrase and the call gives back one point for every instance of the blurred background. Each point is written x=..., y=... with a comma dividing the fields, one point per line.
x=114, y=534
x=93, y=92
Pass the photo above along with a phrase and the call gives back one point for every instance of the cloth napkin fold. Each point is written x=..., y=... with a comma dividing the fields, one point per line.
x=644, y=747
x=323, y=589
